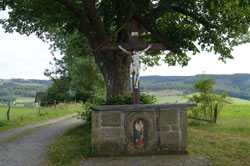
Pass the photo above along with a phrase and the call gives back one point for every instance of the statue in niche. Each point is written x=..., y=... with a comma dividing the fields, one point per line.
x=136, y=66
x=139, y=134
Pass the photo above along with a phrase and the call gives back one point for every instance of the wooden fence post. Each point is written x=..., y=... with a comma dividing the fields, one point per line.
x=215, y=113
x=8, y=112
x=55, y=103
x=65, y=103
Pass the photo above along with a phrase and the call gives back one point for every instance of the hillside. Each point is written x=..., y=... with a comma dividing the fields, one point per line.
x=236, y=85
x=12, y=89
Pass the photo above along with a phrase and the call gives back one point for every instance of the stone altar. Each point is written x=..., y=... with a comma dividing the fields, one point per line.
x=139, y=129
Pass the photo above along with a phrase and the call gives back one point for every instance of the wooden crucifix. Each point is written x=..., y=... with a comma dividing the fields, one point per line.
x=135, y=49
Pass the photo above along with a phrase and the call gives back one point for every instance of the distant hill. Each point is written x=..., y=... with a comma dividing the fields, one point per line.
x=236, y=85
x=11, y=89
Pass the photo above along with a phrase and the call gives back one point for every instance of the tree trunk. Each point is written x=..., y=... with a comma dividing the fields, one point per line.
x=116, y=72
x=114, y=65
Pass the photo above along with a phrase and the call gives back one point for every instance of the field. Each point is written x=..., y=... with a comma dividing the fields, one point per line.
x=226, y=143
x=174, y=96
x=23, y=116
x=25, y=100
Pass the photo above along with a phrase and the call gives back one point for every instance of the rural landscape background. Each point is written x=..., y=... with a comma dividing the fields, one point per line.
x=225, y=143
x=167, y=89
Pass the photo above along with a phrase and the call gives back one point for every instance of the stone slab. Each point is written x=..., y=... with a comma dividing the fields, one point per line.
x=183, y=127
x=170, y=140
x=111, y=119
x=161, y=160
x=168, y=117
x=113, y=132
x=146, y=107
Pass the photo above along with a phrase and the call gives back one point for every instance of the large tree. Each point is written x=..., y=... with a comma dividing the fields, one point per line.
x=188, y=25
x=75, y=76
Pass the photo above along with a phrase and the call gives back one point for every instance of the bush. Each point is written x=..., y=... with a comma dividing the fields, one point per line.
x=128, y=99
x=119, y=100
x=86, y=114
x=208, y=102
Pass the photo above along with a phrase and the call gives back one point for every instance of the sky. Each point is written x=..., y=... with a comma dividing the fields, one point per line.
x=28, y=57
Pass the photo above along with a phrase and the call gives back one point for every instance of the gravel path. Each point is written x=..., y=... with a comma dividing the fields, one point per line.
x=7, y=134
x=29, y=149
x=163, y=160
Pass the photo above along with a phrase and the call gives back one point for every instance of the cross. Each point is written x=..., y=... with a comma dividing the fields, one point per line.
x=136, y=66
x=137, y=49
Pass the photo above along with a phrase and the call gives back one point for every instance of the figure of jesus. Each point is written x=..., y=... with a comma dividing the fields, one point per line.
x=136, y=66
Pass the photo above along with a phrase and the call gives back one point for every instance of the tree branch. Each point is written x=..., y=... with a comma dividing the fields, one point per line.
x=95, y=18
x=158, y=12
x=197, y=18
x=72, y=7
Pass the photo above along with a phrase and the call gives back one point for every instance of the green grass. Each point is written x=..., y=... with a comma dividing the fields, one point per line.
x=23, y=116
x=71, y=148
x=171, y=99
x=183, y=99
x=24, y=100
x=238, y=101
x=227, y=143
x=165, y=93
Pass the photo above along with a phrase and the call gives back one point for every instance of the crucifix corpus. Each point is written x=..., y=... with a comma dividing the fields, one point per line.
x=136, y=66
x=136, y=49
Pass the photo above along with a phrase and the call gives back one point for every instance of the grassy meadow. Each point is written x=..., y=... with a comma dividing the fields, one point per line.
x=24, y=115
x=71, y=148
x=226, y=143
x=25, y=100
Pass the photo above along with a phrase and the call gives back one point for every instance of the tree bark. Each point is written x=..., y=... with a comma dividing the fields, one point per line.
x=117, y=75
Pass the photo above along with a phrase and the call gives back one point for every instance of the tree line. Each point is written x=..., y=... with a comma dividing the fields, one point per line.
x=236, y=85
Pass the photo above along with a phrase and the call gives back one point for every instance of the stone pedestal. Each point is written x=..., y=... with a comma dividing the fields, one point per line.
x=139, y=129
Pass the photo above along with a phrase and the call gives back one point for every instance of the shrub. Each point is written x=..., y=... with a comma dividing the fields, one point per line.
x=208, y=102
x=128, y=99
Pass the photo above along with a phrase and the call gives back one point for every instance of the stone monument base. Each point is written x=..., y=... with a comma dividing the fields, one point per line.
x=128, y=130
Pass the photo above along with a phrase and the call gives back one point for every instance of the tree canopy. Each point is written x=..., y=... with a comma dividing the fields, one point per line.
x=188, y=25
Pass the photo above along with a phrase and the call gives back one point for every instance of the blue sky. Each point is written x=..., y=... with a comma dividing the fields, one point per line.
x=28, y=57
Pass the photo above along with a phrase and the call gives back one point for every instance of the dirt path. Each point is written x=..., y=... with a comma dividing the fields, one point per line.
x=11, y=133
x=29, y=149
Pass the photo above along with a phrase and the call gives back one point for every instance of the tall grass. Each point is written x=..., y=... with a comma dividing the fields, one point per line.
x=227, y=143
x=71, y=148
x=23, y=116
